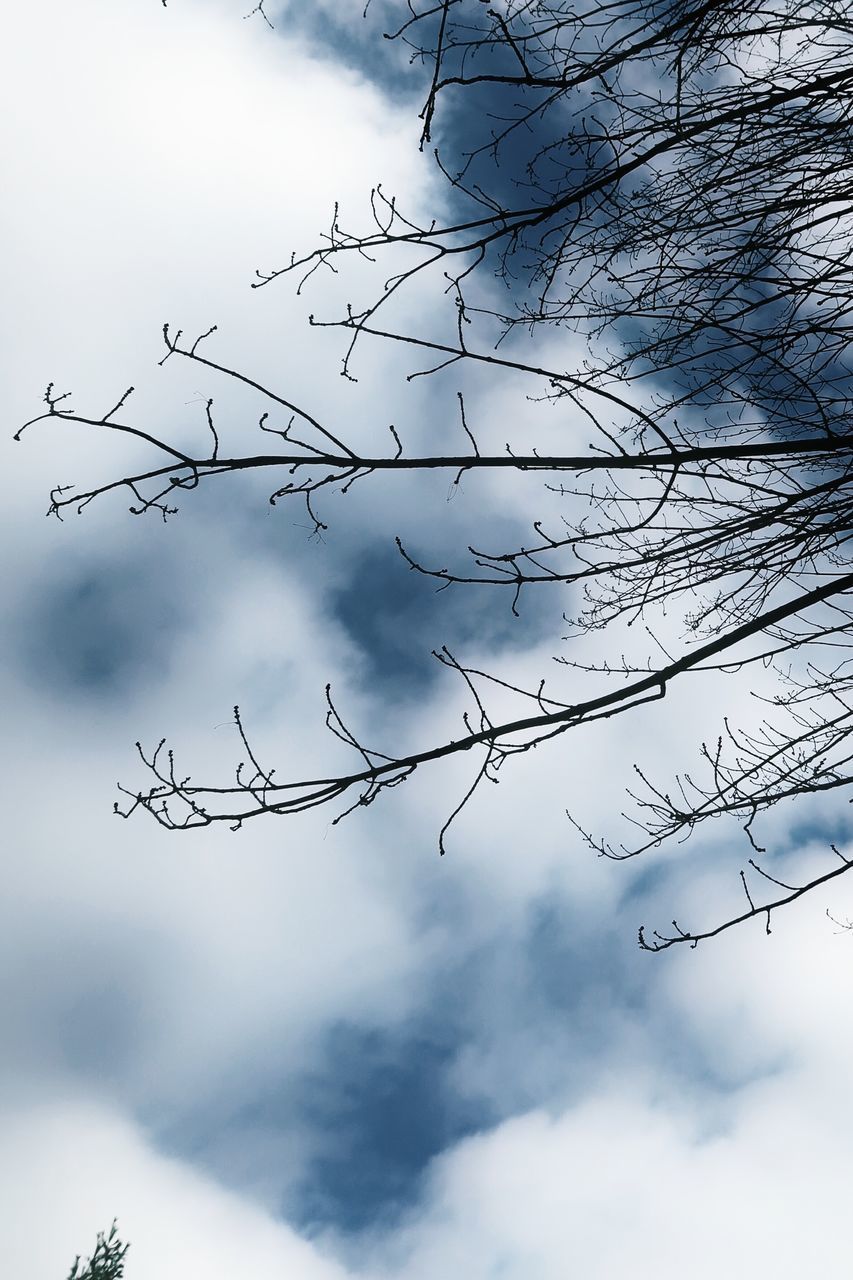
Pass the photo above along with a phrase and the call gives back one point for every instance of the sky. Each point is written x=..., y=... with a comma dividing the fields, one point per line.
x=301, y=1049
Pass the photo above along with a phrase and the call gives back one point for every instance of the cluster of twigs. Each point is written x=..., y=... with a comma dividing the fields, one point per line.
x=671, y=182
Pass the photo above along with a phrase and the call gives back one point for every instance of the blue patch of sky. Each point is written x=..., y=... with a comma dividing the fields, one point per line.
x=511, y=149
x=592, y=974
x=834, y=828
x=397, y=617
x=385, y=1108
x=547, y=148
x=390, y=1102
x=102, y=628
x=822, y=819
x=358, y=40
x=371, y=1112
x=556, y=999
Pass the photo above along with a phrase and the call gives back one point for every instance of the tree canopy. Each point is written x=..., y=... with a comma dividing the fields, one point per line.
x=106, y=1263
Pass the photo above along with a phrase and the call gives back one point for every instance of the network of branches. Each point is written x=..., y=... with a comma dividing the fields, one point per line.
x=669, y=182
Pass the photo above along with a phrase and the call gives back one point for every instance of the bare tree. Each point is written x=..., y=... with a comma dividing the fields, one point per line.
x=670, y=182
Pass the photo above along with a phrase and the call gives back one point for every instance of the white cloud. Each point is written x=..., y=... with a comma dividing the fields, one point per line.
x=621, y=1183
x=73, y=1166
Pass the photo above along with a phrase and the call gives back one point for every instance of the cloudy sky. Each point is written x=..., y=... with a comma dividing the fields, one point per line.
x=304, y=1050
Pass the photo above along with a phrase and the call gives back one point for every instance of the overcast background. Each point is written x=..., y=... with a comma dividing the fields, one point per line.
x=301, y=1050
